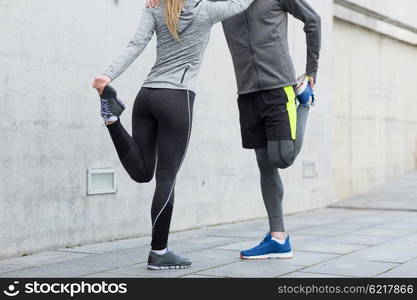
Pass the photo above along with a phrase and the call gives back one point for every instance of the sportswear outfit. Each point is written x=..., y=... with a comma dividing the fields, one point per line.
x=271, y=123
x=162, y=113
x=265, y=74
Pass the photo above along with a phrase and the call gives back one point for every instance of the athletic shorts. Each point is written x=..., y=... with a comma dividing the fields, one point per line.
x=269, y=115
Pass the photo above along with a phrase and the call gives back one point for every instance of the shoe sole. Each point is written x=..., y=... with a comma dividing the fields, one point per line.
x=287, y=255
x=151, y=267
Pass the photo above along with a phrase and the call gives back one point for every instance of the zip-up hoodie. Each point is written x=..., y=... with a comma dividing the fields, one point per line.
x=258, y=42
x=178, y=62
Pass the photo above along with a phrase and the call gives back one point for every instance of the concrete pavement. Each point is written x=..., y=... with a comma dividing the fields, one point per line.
x=371, y=235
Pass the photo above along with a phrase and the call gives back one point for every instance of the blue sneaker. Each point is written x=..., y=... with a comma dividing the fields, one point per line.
x=305, y=93
x=269, y=248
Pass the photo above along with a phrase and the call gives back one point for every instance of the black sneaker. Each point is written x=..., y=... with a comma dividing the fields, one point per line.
x=111, y=106
x=166, y=261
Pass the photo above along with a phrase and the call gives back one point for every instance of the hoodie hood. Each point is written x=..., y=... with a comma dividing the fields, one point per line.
x=188, y=14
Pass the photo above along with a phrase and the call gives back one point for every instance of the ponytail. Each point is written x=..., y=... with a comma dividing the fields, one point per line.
x=172, y=16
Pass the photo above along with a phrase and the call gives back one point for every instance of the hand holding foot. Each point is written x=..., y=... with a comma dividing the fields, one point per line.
x=312, y=81
x=111, y=106
x=100, y=83
x=305, y=91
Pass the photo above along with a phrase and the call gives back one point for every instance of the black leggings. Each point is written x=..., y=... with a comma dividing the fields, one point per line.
x=161, y=128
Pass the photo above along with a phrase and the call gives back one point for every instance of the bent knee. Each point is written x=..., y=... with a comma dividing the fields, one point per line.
x=284, y=160
x=282, y=163
x=282, y=154
x=142, y=178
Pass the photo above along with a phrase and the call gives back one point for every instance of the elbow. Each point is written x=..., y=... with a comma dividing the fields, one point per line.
x=316, y=20
x=313, y=24
x=134, y=44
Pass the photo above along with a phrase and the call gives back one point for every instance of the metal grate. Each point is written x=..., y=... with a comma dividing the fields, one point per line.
x=309, y=169
x=101, y=181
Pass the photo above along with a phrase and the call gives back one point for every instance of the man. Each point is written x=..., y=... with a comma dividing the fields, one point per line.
x=271, y=123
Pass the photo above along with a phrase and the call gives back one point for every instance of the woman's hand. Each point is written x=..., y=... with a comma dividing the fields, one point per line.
x=152, y=3
x=100, y=83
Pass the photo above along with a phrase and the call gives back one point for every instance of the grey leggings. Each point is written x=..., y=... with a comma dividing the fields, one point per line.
x=279, y=155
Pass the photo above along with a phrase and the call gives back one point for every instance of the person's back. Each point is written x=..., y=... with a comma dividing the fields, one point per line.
x=258, y=42
x=178, y=61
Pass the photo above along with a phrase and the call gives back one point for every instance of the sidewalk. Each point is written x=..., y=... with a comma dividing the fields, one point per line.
x=371, y=235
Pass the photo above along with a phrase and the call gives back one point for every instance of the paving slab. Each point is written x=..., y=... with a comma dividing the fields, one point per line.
x=409, y=225
x=56, y=270
x=406, y=270
x=240, y=245
x=252, y=269
x=381, y=217
x=367, y=240
x=44, y=258
x=354, y=225
x=384, y=255
x=397, y=251
x=298, y=240
x=109, y=246
x=303, y=258
x=319, y=217
x=110, y=275
x=201, y=260
x=7, y=268
x=301, y=274
x=351, y=267
x=244, y=233
x=388, y=232
x=181, y=246
x=199, y=276
x=324, y=230
x=333, y=247
x=114, y=259
x=207, y=241
x=402, y=190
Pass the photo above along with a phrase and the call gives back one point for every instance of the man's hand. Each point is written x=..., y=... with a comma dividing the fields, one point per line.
x=312, y=81
x=152, y=3
x=100, y=83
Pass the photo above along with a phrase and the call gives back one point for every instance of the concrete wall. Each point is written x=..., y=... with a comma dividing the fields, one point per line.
x=362, y=132
x=398, y=10
x=51, y=132
x=374, y=115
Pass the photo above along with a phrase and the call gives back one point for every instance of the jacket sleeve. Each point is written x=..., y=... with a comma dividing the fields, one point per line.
x=220, y=10
x=301, y=10
x=135, y=47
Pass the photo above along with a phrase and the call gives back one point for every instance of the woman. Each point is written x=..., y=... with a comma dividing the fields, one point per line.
x=162, y=113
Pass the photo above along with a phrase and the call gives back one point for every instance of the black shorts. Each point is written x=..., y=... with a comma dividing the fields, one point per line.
x=269, y=115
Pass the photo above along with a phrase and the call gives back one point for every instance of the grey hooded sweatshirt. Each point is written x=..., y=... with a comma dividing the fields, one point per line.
x=178, y=62
x=258, y=42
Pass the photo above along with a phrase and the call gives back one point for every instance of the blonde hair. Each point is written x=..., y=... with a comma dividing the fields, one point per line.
x=172, y=16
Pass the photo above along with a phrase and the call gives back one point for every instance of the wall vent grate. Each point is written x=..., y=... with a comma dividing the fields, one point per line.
x=101, y=181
